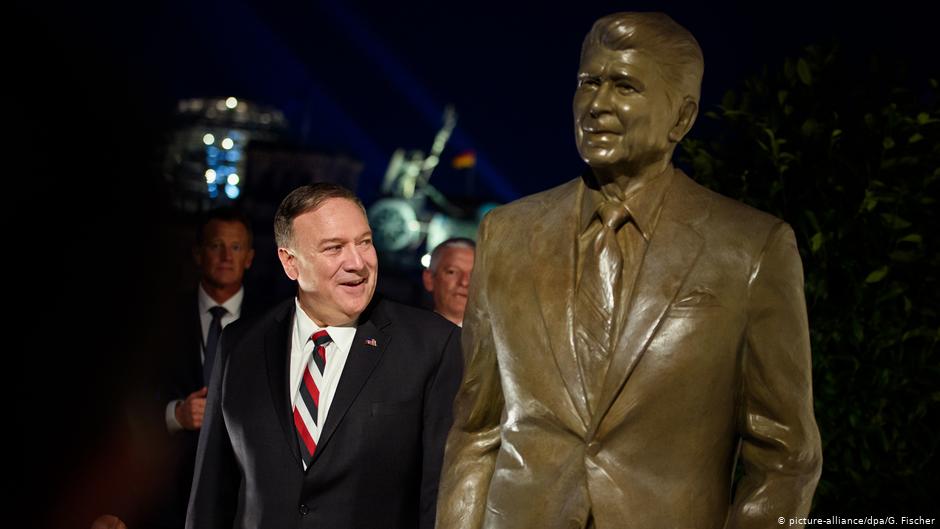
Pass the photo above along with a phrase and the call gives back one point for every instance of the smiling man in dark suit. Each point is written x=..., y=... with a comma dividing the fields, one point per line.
x=331, y=410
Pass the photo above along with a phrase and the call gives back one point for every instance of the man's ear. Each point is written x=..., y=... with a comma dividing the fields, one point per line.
x=427, y=277
x=687, y=114
x=287, y=261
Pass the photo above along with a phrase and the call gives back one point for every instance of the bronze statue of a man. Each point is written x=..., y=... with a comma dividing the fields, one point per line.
x=630, y=335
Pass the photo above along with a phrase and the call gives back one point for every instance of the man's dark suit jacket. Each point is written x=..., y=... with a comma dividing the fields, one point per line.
x=379, y=457
x=182, y=374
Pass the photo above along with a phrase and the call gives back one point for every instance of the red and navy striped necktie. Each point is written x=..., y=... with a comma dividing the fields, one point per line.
x=307, y=406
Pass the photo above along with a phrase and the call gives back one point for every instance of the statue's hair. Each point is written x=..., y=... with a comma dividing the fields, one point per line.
x=673, y=47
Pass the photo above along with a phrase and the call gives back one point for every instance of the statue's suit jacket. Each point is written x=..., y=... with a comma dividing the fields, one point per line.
x=378, y=460
x=712, y=369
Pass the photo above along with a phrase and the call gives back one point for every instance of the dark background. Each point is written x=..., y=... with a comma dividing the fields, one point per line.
x=93, y=88
x=368, y=77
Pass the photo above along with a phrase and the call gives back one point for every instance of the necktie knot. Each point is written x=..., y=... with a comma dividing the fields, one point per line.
x=613, y=214
x=217, y=312
x=321, y=338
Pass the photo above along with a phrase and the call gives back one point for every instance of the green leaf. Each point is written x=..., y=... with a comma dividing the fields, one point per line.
x=802, y=69
x=903, y=257
x=869, y=202
x=729, y=100
x=877, y=275
x=914, y=237
x=923, y=118
x=917, y=333
x=858, y=331
x=895, y=222
x=816, y=242
x=812, y=219
x=781, y=96
x=895, y=291
x=809, y=127
x=916, y=137
x=888, y=142
x=836, y=133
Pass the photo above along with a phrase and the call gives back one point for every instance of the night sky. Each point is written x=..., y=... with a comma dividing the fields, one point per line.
x=95, y=84
x=365, y=78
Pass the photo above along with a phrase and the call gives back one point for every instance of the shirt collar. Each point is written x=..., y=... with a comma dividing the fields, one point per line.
x=342, y=336
x=644, y=202
x=233, y=304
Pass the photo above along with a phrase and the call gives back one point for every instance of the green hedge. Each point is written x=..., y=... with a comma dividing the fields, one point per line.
x=848, y=152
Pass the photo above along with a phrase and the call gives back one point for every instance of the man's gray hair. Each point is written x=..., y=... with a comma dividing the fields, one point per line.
x=453, y=242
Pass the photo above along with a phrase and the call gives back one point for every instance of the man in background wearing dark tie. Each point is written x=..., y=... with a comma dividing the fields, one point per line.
x=332, y=409
x=222, y=253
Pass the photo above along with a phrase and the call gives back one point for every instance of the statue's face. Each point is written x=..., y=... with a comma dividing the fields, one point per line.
x=622, y=114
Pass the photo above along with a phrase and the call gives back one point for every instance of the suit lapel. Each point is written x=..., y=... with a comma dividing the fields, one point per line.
x=193, y=337
x=673, y=250
x=553, y=244
x=277, y=346
x=361, y=362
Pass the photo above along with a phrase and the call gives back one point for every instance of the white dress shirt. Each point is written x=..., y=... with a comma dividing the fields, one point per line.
x=302, y=350
x=233, y=305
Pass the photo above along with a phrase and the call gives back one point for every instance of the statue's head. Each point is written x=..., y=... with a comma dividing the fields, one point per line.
x=638, y=89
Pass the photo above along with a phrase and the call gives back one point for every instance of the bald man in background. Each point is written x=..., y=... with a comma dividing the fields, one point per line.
x=447, y=277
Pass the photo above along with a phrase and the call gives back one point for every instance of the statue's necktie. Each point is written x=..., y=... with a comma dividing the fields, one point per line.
x=212, y=340
x=597, y=296
x=307, y=405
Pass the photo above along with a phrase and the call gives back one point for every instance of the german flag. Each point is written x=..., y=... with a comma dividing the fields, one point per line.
x=464, y=160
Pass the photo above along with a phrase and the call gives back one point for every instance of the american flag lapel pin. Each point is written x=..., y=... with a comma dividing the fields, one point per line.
x=372, y=342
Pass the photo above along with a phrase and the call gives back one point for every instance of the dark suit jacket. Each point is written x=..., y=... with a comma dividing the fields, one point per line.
x=182, y=374
x=713, y=365
x=379, y=456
